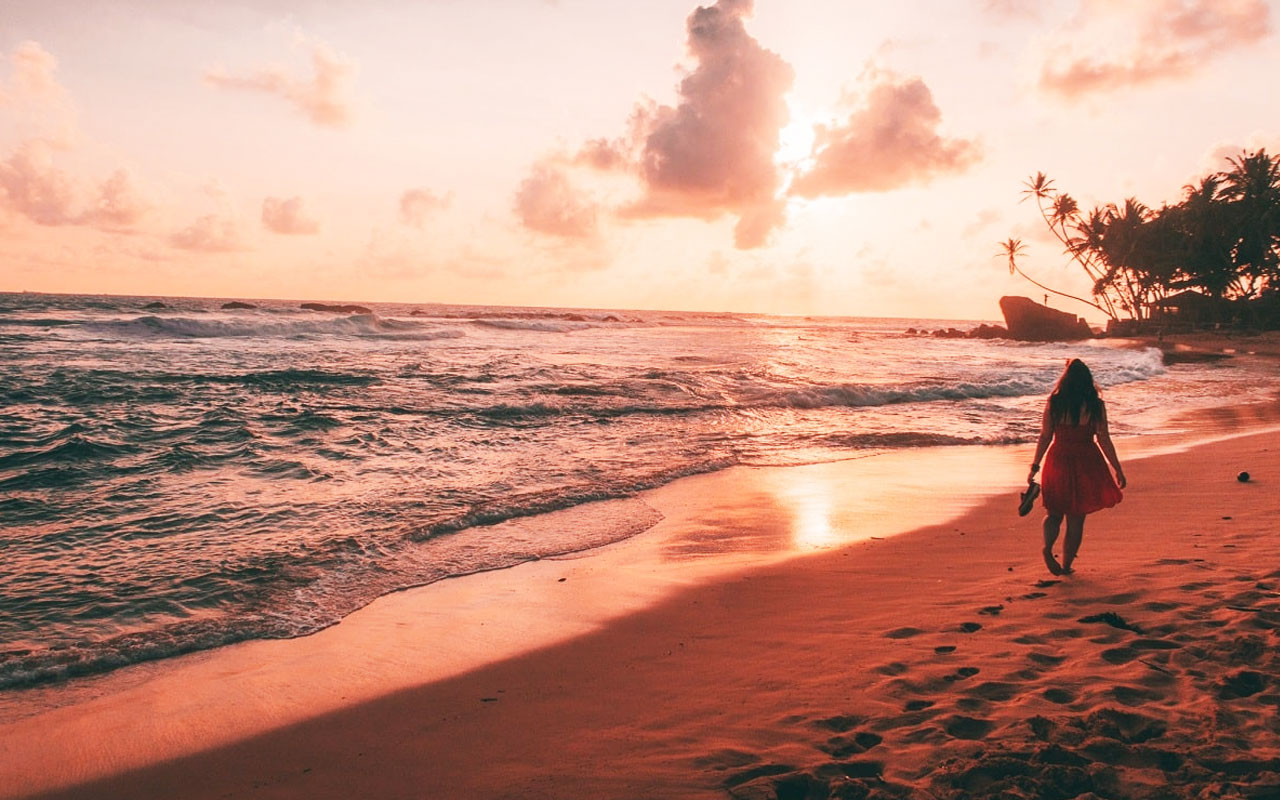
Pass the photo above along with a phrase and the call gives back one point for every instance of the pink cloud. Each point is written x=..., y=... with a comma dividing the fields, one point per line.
x=713, y=153
x=322, y=97
x=416, y=205
x=33, y=187
x=710, y=155
x=1174, y=38
x=287, y=216
x=1013, y=9
x=117, y=204
x=36, y=189
x=33, y=70
x=546, y=202
x=890, y=142
x=209, y=234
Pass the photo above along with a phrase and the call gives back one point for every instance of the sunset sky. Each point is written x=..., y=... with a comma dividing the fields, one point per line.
x=799, y=157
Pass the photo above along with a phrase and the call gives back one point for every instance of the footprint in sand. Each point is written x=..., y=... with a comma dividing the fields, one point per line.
x=842, y=723
x=944, y=648
x=1059, y=696
x=961, y=674
x=1133, y=696
x=1046, y=659
x=970, y=627
x=891, y=669
x=903, y=633
x=1245, y=683
x=962, y=727
x=845, y=746
x=725, y=759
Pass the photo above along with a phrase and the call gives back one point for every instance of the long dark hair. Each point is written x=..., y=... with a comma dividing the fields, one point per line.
x=1075, y=394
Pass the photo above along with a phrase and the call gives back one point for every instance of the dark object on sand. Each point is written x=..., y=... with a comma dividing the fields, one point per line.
x=348, y=309
x=238, y=304
x=1028, y=498
x=1243, y=477
x=156, y=306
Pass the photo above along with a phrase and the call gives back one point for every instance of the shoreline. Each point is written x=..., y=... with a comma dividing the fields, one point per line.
x=606, y=590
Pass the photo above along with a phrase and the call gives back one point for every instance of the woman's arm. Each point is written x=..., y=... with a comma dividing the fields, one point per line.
x=1042, y=444
x=1109, y=449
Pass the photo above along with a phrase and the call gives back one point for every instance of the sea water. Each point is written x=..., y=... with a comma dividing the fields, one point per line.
x=179, y=478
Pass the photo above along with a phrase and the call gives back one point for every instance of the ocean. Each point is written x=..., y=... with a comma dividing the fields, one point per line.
x=175, y=479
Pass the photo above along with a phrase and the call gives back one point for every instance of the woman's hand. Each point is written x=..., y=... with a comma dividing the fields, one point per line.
x=1120, y=481
x=1031, y=475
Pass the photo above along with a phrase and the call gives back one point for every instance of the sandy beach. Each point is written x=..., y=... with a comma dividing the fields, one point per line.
x=943, y=662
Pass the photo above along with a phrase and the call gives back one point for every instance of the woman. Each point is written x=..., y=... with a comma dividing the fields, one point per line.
x=1076, y=480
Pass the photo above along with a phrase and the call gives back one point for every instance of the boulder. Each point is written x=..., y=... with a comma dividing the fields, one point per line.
x=985, y=331
x=156, y=306
x=1030, y=321
x=236, y=304
x=341, y=309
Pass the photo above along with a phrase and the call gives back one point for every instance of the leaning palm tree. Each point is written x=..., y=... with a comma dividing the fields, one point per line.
x=1012, y=248
x=1061, y=213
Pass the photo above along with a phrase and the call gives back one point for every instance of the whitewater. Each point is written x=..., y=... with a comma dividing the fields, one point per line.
x=179, y=478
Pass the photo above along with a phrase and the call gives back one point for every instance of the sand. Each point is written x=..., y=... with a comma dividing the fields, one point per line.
x=943, y=663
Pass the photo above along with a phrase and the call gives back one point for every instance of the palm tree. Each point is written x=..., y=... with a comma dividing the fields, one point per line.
x=1012, y=248
x=1252, y=190
x=1061, y=213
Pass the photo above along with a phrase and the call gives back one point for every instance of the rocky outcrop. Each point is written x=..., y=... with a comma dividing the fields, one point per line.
x=236, y=304
x=1029, y=321
x=347, y=309
x=983, y=331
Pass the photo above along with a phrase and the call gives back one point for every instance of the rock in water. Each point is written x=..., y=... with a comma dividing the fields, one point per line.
x=156, y=306
x=347, y=309
x=234, y=304
x=1030, y=321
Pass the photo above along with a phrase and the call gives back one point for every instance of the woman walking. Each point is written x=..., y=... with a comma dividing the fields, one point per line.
x=1076, y=480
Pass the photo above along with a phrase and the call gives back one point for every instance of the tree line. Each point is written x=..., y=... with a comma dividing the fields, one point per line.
x=1222, y=240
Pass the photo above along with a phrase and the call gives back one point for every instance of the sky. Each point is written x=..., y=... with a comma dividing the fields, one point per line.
x=827, y=157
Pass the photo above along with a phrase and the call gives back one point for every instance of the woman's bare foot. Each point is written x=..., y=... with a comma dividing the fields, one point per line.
x=1052, y=563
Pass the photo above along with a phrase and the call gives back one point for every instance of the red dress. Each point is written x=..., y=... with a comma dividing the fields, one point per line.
x=1076, y=479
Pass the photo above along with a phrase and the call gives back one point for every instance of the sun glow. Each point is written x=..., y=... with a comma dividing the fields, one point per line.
x=795, y=143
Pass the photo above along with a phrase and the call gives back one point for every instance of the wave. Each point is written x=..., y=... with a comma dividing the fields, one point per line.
x=368, y=325
x=533, y=325
x=577, y=399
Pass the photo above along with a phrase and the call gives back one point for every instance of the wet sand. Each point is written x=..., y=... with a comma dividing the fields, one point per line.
x=943, y=662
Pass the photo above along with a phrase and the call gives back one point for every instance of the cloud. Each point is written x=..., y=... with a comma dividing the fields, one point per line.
x=418, y=204
x=33, y=187
x=985, y=218
x=890, y=142
x=710, y=155
x=32, y=100
x=212, y=233
x=713, y=153
x=546, y=202
x=322, y=97
x=287, y=216
x=117, y=205
x=1013, y=9
x=32, y=75
x=1174, y=38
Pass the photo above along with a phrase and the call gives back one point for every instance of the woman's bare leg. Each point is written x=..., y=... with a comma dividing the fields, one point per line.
x=1052, y=523
x=1071, y=544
